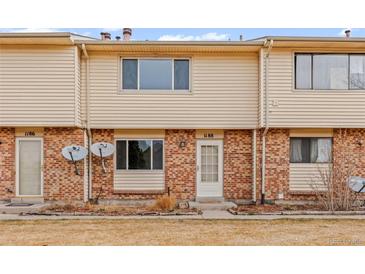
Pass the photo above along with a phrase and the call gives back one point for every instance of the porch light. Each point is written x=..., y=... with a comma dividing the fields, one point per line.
x=182, y=144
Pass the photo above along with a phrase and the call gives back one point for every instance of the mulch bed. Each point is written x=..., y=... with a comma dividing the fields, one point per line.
x=99, y=210
x=274, y=209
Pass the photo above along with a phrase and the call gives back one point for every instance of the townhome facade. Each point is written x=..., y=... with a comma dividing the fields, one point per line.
x=247, y=121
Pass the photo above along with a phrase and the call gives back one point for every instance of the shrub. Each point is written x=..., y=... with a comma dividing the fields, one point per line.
x=166, y=203
x=331, y=187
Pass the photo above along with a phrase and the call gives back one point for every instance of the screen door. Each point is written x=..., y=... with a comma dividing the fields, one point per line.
x=210, y=168
x=29, y=167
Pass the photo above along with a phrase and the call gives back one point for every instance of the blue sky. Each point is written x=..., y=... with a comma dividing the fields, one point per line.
x=199, y=34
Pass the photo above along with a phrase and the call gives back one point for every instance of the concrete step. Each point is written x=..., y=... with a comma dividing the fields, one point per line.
x=17, y=208
x=27, y=200
x=209, y=199
x=212, y=205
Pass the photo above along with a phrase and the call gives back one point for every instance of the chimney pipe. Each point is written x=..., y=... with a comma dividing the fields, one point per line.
x=241, y=37
x=348, y=33
x=105, y=35
x=127, y=33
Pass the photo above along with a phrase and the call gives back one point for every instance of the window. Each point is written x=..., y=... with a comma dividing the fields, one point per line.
x=303, y=71
x=181, y=74
x=310, y=150
x=155, y=74
x=329, y=71
x=139, y=154
x=357, y=71
x=130, y=71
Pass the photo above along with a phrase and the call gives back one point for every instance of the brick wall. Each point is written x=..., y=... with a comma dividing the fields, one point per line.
x=349, y=147
x=238, y=164
x=60, y=180
x=7, y=163
x=180, y=163
x=277, y=163
x=102, y=184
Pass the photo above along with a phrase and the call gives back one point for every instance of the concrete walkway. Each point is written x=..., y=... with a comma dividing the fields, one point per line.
x=207, y=215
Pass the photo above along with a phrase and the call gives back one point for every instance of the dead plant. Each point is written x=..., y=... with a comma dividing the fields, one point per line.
x=331, y=185
x=165, y=203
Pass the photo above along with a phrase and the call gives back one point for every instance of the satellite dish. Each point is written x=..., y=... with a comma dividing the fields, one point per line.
x=102, y=150
x=357, y=184
x=74, y=153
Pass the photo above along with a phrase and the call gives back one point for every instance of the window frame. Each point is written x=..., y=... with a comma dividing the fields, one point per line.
x=127, y=158
x=349, y=89
x=306, y=137
x=151, y=91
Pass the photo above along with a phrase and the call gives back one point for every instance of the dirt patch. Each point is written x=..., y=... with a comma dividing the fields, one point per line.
x=182, y=232
x=112, y=210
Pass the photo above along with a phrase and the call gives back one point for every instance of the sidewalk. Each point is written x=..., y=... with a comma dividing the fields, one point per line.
x=207, y=215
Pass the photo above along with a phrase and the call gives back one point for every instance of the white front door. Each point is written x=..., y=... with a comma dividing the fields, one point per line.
x=210, y=168
x=29, y=165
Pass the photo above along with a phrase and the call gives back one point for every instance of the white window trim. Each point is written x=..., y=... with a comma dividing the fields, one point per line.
x=152, y=91
x=139, y=170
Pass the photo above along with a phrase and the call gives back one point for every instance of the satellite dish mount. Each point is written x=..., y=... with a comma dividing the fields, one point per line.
x=72, y=159
x=74, y=153
x=357, y=184
x=102, y=150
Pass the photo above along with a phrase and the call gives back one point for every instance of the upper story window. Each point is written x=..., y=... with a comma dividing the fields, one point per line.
x=329, y=71
x=155, y=74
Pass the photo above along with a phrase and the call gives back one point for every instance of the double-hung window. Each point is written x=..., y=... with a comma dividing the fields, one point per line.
x=310, y=150
x=314, y=71
x=156, y=74
x=139, y=154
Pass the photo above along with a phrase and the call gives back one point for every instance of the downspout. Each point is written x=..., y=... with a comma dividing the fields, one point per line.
x=88, y=130
x=268, y=44
x=254, y=166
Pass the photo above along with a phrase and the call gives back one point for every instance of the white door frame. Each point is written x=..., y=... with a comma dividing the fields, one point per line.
x=220, y=192
x=17, y=158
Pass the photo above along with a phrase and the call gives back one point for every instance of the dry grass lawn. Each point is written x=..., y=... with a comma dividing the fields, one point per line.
x=182, y=232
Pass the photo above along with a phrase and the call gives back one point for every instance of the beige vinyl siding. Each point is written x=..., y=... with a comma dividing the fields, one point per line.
x=139, y=180
x=315, y=109
x=37, y=86
x=307, y=176
x=224, y=95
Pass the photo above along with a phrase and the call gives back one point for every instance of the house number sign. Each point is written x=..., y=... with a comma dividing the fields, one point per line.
x=208, y=135
x=29, y=133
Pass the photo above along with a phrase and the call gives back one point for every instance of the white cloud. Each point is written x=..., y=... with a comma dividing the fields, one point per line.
x=210, y=36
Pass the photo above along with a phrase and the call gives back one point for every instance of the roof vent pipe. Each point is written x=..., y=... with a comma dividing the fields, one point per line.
x=348, y=33
x=127, y=33
x=105, y=35
x=241, y=37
